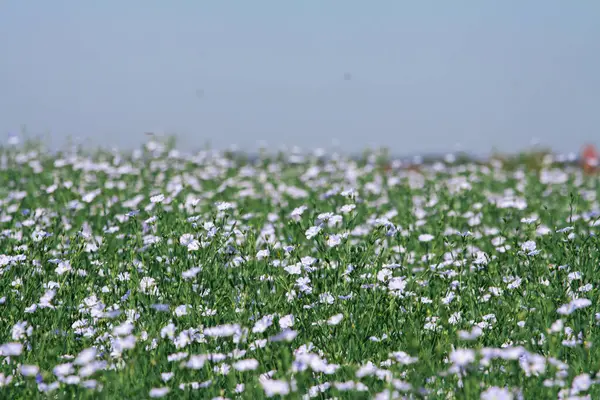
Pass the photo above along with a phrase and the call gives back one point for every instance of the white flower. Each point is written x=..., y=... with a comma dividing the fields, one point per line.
x=246, y=365
x=326, y=298
x=287, y=335
x=397, y=283
x=196, y=361
x=297, y=213
x=323, y=217
x=168, y=331
x=307, y=261
x=586, y=288
x=336, y=319
x=20, y=330
x=86, y=356
x=312, y=232
x=38, y=235
x=529, y=220
x=274, y=387
x=462, y=357
x=63, y=267
x=404, y=358
x=334, y=240
x=6, y=380
x=425, y=237
x=294, y=269
x=124, y=343
x=575, y=304
x=222, y=330
x=147, y=284
x=89, y=197
x=123, y=330
x=191, y=273
x=384, y=275
x=557, y=326
x=454, y=318
x=262, y=324
x=29, y=370
x=286, y=321
x=581, y=383
x=474, y=334
x=573, y=276
x=188, y=240
x=181, y=310
x=159, y=198
x=11, y=349
x=528, y=246
x=159, y=392
x=431, y=324
x=224, y=205
x=496, y=393
x=63, y=369
x=345, y=209
x=366, y=370
x=262, y=254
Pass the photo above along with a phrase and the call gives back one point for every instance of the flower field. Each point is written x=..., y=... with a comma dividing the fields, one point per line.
x=162, y=275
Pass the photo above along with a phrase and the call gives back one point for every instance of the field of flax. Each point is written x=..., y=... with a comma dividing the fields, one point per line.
x=162, y=275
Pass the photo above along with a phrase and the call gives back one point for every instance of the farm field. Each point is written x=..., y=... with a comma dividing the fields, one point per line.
x=163, y=275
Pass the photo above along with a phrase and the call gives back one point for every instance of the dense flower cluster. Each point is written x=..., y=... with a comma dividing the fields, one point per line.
x=161, y=274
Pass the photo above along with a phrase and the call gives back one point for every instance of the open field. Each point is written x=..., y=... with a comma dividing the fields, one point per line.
x=209, y=276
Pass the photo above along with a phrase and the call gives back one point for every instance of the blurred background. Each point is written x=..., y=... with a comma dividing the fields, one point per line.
x=416, y=77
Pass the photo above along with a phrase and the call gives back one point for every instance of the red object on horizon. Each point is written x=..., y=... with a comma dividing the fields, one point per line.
x=590, y=159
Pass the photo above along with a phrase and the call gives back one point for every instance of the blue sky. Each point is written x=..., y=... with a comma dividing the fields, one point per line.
x=425, y=76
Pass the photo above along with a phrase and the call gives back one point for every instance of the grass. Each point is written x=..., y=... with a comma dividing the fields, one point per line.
x=213, y=276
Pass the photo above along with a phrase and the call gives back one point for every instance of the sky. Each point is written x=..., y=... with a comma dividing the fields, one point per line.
x=412, y=76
